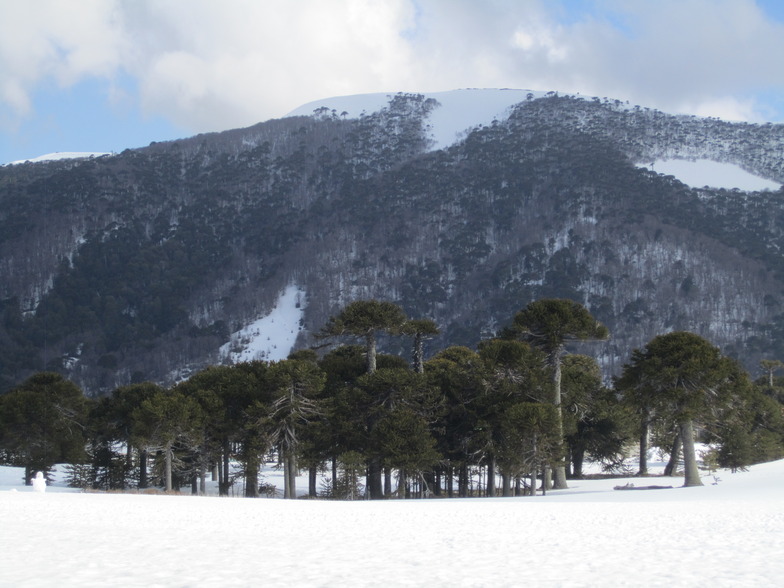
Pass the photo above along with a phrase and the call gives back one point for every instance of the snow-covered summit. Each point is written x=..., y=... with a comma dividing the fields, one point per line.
x=61, y=155
x=458, y=110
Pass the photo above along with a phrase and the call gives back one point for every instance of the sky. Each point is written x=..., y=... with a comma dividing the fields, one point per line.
x=106, y=75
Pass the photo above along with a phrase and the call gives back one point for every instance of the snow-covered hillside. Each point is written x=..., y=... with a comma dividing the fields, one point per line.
x=271, y=337
x=461, y=110
x=722, y=534
x=61, y=155
x=458, y=110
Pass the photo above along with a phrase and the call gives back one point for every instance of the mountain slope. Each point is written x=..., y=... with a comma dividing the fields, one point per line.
x=140, y=265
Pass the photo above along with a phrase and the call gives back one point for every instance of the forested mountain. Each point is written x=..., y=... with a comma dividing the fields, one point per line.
x=138, y=266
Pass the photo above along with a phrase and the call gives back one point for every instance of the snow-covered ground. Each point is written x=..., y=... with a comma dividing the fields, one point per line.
x=271, y=337
x=61, y=155
x=727, y=534
x=462, y=110
x=459, y=110
x=704, y=172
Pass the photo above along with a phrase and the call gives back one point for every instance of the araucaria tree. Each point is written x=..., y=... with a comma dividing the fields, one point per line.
x=420, y=330
x=551, y=324
x=165, y=420
x=296, y=384
x=42, y=423
x=685, y=378
x=365, y=319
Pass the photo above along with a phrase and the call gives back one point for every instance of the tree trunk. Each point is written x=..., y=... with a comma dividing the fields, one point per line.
x=387, y=481
x=221, y=484
x=290, y=471
x=286, y=477
x=675, y=453
x=547, y=479
x=431, y=482
x=143, y=482
x=643, y=471
x=312, y=481
x=506, y=484
x=578, y=456
x=167, y=456
x=370, y=344
x=334, y=476
x=462, y=481
x=252, y=477
x=128, y=465
x=691, y=471
x=491, y=476
x=375, y=488
x=419, y=353
x=559, y=471
x=224, y=489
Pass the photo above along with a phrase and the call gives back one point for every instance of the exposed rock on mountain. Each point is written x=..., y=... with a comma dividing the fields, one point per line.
x=140, y=265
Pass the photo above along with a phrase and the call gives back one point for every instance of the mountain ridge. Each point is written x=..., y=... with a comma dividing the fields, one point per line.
x=139, y=266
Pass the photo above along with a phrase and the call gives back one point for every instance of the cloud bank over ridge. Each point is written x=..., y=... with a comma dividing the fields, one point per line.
x=206, y=66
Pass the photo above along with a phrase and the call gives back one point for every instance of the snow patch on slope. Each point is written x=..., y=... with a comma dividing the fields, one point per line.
x=458, y=110
x=61, y=155
x=272, y=337
x=704, y=172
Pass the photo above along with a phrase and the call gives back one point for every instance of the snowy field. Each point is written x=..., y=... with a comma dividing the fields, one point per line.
x=725, y=534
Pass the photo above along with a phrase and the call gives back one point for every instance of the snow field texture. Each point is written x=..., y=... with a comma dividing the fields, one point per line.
x=727, y=534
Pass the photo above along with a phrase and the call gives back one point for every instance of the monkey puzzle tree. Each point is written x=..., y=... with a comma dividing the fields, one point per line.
x=420, y=330
x=550, y=324
x=296, y=384
x=42, y=423
x=770, y=366
x=365, y=319
x=458, y=374
x=389, y=393
x=596, y=424
x=528, y=431
x=684, y=376
x=124, y=401
x=514, y=373
x=164, y=420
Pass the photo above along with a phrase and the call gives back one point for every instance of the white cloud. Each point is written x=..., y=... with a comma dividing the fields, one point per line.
x=727, y=108
x=208, y=66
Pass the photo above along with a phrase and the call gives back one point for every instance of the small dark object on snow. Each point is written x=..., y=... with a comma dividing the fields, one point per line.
x=631, y=486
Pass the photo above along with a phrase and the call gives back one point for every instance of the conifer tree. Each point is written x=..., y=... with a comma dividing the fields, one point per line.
x=42, y=422
x=550, y=324
x=365, y=319
x=685, y=374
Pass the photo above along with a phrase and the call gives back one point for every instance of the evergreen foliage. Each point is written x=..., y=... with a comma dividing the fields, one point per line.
x=118, y=268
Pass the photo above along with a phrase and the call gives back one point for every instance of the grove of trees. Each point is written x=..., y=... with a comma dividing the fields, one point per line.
x=521, y=408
